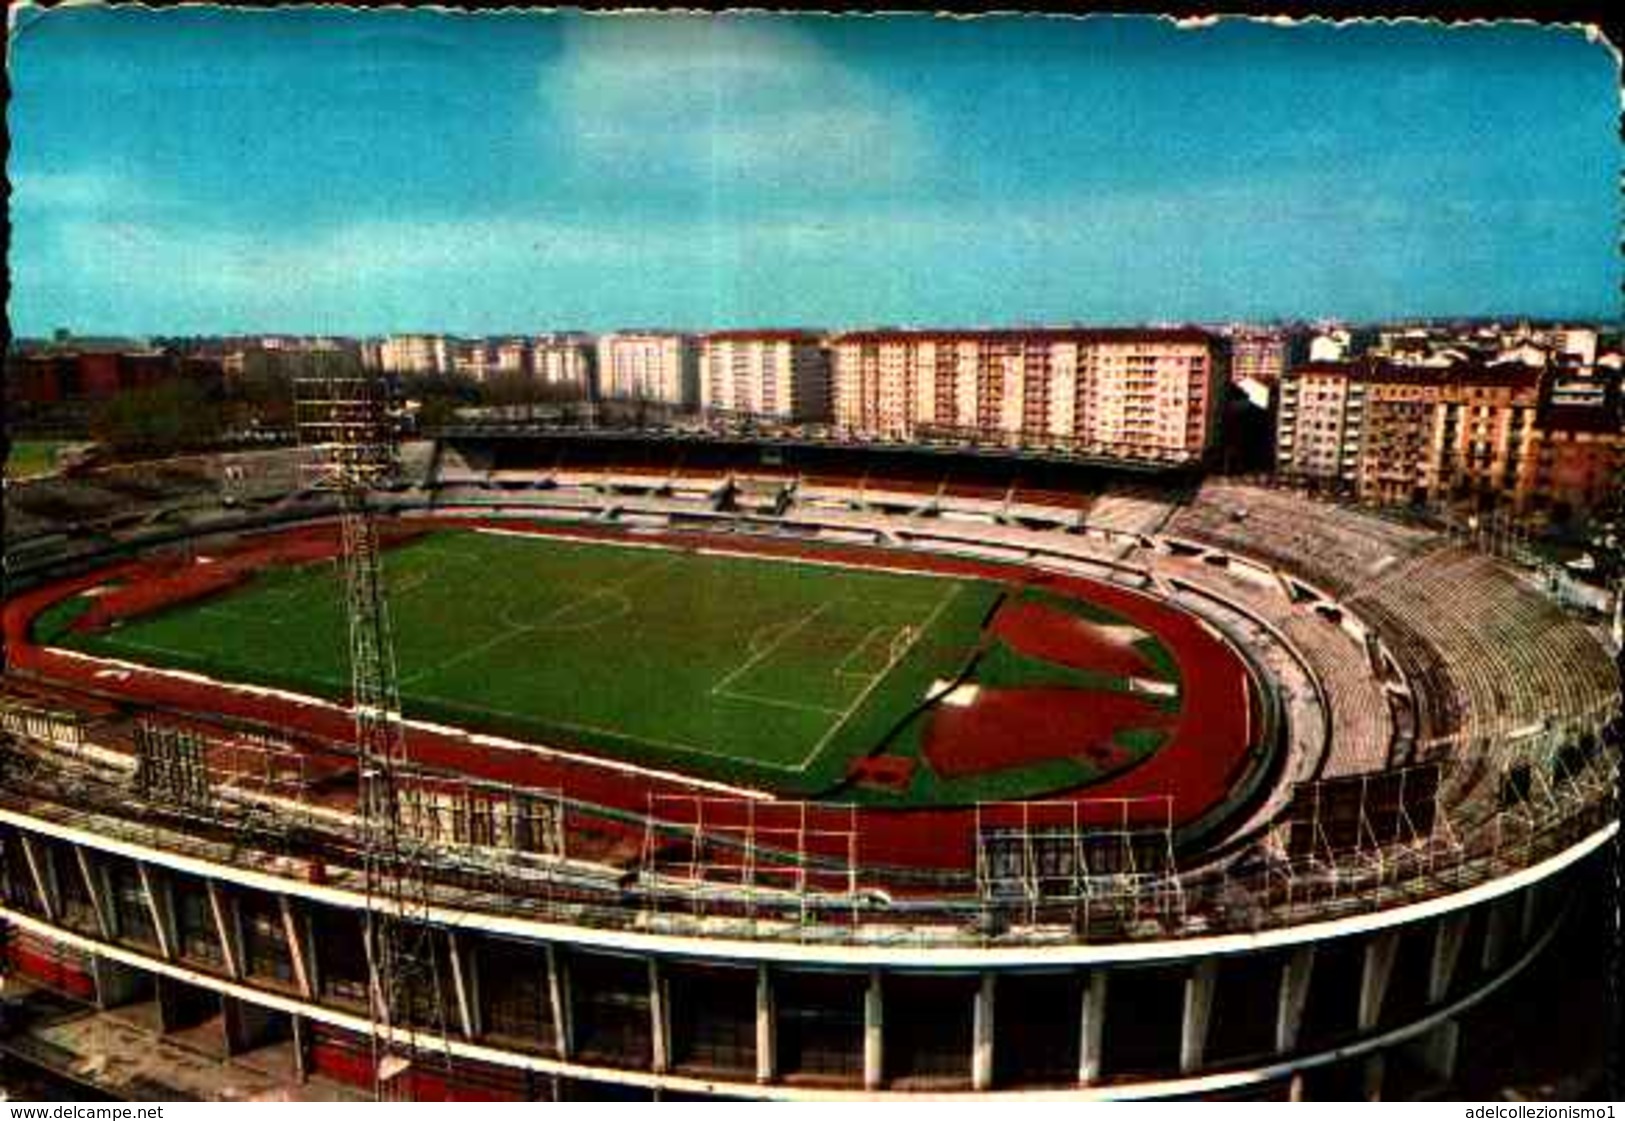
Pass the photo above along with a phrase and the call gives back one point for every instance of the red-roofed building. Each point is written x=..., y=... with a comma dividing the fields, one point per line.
x=52, y=376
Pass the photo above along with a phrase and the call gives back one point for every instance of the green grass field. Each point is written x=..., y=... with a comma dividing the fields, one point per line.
x=32, y=457
x=764, y=672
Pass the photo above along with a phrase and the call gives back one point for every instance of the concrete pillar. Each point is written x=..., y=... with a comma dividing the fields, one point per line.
x=1530, y=911
x=461, y=984
x=1375, y=1068
x=982, y=1034
x=168, y=994
x=301, y=1048
x=1293, y=995
x=115, y=983
x=40, y=868
x=1378, y=966
x=313, y=955
x=1448, y=937
x=1495, y=936
x=96, y=888
x=659, y=1019
x=1093, y=1027
x=1198, y=1010
x=874, y=1032
x=246, y=1025
x=298, y=950
x=1295, y=1087
x=558, y=995
x=160, y=897
x=767, y=1044
x=225, y=928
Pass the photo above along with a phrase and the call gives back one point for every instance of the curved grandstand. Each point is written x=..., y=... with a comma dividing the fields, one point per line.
x=800, y=772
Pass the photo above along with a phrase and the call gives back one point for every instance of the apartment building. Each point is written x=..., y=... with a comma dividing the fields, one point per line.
x=1320, y=422
x=1533, y=441
x=782, y=375
x=649, y=366
x=1258, y=354
x=1126, y=392
x=563, y=361
x=1453, y=435
x=415, y=354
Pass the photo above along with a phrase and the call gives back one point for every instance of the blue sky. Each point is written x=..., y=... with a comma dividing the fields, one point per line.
x=318, y=170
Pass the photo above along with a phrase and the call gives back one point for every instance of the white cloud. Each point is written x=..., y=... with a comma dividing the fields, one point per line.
x=722, y=100
x=83, y=191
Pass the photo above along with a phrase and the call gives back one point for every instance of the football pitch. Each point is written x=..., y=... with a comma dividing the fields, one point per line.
x=766, y=672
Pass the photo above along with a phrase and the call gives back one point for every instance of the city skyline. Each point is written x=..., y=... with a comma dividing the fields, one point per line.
x=316, y=171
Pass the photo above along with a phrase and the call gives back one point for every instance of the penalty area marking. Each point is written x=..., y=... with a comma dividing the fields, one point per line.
x=721, y=687
x=857, y=702
x=840, y=669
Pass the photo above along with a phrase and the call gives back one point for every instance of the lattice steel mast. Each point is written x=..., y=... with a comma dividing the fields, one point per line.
x=344, y=421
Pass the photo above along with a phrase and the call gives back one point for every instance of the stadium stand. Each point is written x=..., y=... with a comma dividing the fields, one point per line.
x=1337, y=550
x=1140, y=510
x=1539, y=659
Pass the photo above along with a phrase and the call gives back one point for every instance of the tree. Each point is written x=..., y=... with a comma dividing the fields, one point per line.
x=168, y=417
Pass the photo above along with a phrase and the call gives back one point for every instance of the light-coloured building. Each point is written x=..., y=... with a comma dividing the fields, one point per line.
x=415, y=354
x=473, y=358
x=1330, y=345
x=649, y=366
x=1577, y=343
x=782, y=375
x=509, y=357
x=1258, y=354
x=1125, y=392
x=1319, y=423
x=1533, y=441
x=562, y=361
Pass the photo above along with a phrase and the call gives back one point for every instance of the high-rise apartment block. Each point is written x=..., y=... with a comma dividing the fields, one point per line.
x=781, y=375
x=1534, y=441
x=563, y=361
x=662, y=367
x=1320, y=419
x=415, y=354
x=1120, y=392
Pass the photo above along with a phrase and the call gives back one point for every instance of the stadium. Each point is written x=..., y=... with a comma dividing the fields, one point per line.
x=788, y=769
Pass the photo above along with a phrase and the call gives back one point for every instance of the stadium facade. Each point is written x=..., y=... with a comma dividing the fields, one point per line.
x=1429, y=763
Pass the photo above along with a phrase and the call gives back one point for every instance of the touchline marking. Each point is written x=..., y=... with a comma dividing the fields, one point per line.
x=719, y=551
x=606, y=762
x=675, y=554
x=840, y=669
x=635, y=739
x=758, y=699
x=745, y=667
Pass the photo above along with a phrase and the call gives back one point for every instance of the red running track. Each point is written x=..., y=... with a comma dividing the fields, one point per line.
x=1207, y=753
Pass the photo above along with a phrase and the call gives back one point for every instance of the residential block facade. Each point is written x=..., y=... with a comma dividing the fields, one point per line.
x=1125, y=392
x=662, y=367
x=781, y=375
x=1533, y=441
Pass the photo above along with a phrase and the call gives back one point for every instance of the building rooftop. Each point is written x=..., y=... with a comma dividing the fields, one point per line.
x=1378, y=370
x=1033, y=335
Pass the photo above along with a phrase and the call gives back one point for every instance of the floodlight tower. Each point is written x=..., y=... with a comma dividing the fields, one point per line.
x=1609, y=541
x=343, y=418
